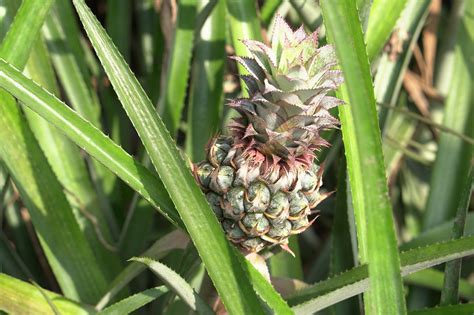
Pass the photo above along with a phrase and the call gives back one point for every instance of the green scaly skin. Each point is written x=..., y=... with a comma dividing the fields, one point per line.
x=262, y=180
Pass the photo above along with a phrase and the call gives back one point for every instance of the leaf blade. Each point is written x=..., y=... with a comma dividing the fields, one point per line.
x=361, y=135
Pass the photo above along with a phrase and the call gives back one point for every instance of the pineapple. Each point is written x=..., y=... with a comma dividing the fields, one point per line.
x=262, y=180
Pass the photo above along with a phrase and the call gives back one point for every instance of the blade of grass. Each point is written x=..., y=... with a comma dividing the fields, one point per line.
x=20, y=297
x=146, y=27
x=65, y=246
x=383, y=16
x=206, y=94
x=171, y=102
x=85, y=135
x=361, y=135
x=355, y=281
x=134, y=302
x=176, y=283
x=201, y=223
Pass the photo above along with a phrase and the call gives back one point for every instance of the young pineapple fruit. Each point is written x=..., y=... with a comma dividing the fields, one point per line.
x=261, y=180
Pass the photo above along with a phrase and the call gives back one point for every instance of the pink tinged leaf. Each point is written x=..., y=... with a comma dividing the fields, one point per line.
x=299, y=35
x=264, y=56
x=269, y=86
x=298, y=72
x=289, y=84
x=251, y=66
x=251, y=83
x=281, y=33
x=324, y=56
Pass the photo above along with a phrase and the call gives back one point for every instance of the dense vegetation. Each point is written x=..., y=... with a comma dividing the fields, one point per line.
x=104, y=107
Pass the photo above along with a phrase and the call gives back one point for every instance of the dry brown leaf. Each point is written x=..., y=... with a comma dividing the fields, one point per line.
x=430, y=40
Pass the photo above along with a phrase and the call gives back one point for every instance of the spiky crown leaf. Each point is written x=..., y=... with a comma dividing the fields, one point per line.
x=288, y=103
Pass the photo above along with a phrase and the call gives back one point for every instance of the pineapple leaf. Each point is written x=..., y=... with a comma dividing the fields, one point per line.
x=383, y=17
x=172, y=100
x=176, y=283
x=362, y=141
x=158, y=250
x=19, y=297
x=134, y=302
x=88, y=137
x=355, y=281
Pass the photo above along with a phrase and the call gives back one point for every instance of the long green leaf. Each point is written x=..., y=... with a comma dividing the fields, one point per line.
x=440, y=233
x=69, y=67
x=171, y=102
x=66, y=248
x=201, y=223
x=434, y=279
x=88, y=137
x=134, y=302
x=20, y=297
x=355, y=281
x=176, y=283
x=118, y=24
x=383, y=16
x=361, y=135
x=206, y=95
x=244, y=24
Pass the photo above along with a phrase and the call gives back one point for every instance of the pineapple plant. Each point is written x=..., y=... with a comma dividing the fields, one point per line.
x=262, y=180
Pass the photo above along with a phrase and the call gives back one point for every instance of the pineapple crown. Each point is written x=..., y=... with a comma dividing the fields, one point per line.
x=288, y=103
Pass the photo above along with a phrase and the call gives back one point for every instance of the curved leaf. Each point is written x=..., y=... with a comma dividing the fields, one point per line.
x=176, y=283
x=134, y=302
